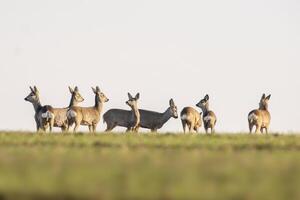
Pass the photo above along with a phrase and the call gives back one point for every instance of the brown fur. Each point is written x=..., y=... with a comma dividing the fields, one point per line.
x=260, y=118
x=42, y=115
x=155, y=120
x=209, y=117
x=60, y=114
x=87, y=116
x=124, y=118
x=191, y=118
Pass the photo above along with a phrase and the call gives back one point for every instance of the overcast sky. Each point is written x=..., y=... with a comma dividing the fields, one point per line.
x=233, y=50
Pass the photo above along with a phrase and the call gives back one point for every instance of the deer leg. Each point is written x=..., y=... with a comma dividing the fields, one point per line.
x=257, y=128
x=137, y=128
x=192, y=127
x=90, y=128
x=267, y=130
x=183, y=125
x=68, y=128
x=94, y=126
x=213, y=130
x=51, y=124
x=70, y=124
x=189, y=126
x=50, y=128
x=206, y=129
x=196, y=129
x=262, y=130
x=110, y=127
x=43, y=128
x=76, y=126
x=250, y=127
x=37, y=127
x=154, y=130
x=65, y=128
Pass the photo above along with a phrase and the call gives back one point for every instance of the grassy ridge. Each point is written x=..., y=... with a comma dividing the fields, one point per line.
x=129, y=166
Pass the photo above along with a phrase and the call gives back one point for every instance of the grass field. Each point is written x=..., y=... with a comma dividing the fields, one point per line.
x=149, y=166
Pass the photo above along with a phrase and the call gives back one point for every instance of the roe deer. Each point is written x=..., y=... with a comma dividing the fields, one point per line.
x=42, y=115
x=124, y=118
x=88, y=116
x=260, y=117
x=60, y=119
x=191, y=118
x=209, y=117
x=154, y=120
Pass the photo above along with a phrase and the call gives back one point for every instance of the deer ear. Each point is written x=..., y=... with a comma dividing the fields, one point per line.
x=71, y=90
x=129, y=96
x=98, y=89
x=268, y=97
x=263, y=96
x=94, y=90
x=137, y=96
x=172, y=102
x=76, y=89
x=36, y=90
x=206, y=97
x=32, y=90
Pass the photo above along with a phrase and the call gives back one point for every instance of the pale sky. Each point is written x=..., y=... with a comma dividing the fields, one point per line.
x=233, y=50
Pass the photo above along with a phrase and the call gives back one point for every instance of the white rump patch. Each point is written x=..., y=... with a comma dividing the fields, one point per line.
x=47, y=115
x=207, y=118
x=184, y=117
x=252, y=117
x=71, y=114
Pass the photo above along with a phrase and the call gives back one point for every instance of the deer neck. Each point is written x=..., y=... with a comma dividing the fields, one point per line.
x=98, y=106
x=205, y=110
x=136, y=115
x=263, y=107
x=37, y=105
x=165, y=116
x=73, y=102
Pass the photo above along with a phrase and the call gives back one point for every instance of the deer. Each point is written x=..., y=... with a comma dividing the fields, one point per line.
x=209, y=117
x=42, y=114
x=124, y=118
x=260, y=117
x=192, y=118
x=60, y=119
x=155, y=120
x=87, y=116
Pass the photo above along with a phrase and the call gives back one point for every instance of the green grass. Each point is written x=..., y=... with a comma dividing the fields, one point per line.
x=149, y=166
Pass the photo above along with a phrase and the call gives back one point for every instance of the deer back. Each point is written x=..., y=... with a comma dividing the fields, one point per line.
x=119, y=117
x=191, y=115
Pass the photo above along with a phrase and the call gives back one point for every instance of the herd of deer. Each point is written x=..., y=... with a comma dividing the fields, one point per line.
x=47, y=117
